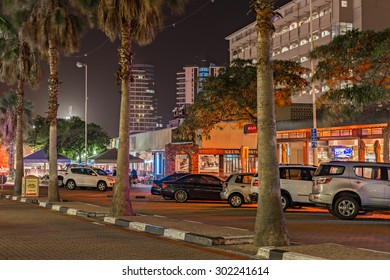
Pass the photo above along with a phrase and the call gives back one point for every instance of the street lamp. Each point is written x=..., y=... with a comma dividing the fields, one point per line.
x=313, y=92
x=80, y=65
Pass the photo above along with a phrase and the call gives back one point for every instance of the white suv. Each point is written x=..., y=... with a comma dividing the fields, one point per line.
x=83, y=176
x=237, y=189
x=347, y=187
x=295, y=184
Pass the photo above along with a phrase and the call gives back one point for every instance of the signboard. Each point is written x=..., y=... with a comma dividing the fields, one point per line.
x=30, y=186
x=250, y=128
x=313, y=133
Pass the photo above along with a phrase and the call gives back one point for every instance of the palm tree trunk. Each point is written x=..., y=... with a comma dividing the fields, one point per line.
x=53, y=193
x=19, y=138
x=11, y=150
x=121, y=203
x=270, y=227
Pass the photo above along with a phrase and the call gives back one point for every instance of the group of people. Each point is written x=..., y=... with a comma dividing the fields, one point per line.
x=133, y=175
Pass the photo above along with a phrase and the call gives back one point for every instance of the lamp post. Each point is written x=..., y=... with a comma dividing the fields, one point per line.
x=313, y=92
x=80, y=65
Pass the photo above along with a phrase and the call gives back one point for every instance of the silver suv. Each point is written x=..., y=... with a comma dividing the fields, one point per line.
x=295, y=184
x=83, y=176
x=347, y=187
x=237, y=189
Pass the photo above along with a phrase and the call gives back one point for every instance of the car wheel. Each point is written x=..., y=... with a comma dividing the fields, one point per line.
x=102, y=186
x=346, y=208
x=331, y=210
x=71, y=185
x=60, y=182
x=285, y=201
x=235, y=200
x=167, y=197
x=181, y=196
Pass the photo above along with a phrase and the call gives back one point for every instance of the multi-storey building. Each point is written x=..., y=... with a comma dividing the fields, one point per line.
x=292, y=37
x=143, y=103
x=188, y=82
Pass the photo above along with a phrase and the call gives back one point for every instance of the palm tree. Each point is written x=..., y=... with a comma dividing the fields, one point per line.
x=8, y=125
x=131, y=21
x=19, y=66
x=270, y=227
x=54, y=27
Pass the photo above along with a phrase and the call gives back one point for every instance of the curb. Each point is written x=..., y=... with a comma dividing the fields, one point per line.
x=57, y=207
x=178, y=234
x=143, y=227
x=270, y=253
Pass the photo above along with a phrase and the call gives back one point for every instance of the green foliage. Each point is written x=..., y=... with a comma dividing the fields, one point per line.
x=70, y=137
x=355, y=66
x=231, y=96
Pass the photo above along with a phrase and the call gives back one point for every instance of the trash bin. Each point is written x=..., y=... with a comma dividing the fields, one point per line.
x=30, y=186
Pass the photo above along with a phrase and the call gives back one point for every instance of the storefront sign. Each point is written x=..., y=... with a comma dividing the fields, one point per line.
x=250, y=128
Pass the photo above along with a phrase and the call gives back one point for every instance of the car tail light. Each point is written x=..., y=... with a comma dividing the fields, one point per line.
x=225, y=185
x=323, y=180
x=255, y=183
x=164, y=185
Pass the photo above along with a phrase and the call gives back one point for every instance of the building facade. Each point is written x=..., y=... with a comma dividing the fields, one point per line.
x=292, y=37
x=188, y=82
x=143, y=101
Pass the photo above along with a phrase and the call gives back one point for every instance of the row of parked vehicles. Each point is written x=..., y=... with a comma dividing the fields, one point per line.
x=343, y=187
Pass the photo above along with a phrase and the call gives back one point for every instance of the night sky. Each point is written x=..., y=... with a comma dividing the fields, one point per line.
x=199, y=32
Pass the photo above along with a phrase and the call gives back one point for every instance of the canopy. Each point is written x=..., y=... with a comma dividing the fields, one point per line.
x=42, y=157
x=110, y=156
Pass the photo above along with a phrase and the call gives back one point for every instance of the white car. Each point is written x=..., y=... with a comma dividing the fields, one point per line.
x=295, y=184
x=84, y=176
x=237, y=189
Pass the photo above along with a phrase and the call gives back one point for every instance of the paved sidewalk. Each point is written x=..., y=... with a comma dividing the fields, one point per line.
x=223, y=238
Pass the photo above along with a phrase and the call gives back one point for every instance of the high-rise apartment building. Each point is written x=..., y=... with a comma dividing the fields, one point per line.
x=143, y=102
x=292, y=37
x=188, y=82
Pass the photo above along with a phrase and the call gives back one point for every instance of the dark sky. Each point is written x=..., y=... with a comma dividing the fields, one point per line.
x=200, y=31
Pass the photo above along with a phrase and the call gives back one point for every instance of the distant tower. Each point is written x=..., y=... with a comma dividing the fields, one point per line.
x=143, y=103
x=188, y=85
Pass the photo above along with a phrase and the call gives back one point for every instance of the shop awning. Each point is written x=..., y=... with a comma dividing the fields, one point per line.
x=110, y=156
x=42, y=157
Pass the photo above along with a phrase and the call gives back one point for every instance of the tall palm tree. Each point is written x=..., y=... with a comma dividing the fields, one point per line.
x=270, y=227
x=8, y=125
x=54, y=27
x=19, y=65
x=132, y=21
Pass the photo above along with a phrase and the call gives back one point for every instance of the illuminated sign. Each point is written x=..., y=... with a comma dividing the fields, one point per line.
x=250, y=128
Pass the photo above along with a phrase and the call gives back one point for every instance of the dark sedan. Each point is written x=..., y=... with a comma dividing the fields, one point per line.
x=193, y=186
x=157, y=184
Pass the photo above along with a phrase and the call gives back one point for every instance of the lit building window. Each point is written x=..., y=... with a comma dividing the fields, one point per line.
x=344, y=4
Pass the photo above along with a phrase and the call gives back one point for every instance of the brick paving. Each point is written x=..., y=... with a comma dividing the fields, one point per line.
x=29, y=232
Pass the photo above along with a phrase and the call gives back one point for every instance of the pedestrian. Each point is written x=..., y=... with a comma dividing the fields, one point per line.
x=114, y=172
x=134, y=176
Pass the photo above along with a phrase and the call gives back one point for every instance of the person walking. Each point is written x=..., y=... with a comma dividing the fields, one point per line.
x=134, y=177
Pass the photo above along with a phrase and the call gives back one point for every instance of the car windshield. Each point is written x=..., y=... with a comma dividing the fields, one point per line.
x=100, y=172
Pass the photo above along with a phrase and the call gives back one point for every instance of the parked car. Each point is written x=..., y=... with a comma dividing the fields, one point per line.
x=83, y=176
x=347, y=187
x=193, y=186
x=157, y=184
x=237, y=189
x=295, y=184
